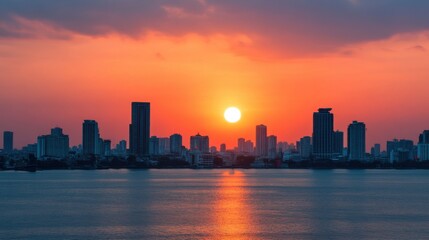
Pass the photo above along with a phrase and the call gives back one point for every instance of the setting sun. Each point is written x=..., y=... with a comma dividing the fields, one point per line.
x=232, y=114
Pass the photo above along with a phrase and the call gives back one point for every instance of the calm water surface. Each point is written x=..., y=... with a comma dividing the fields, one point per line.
x=215, y=204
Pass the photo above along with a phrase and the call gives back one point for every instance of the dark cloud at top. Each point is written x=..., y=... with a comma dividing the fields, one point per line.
x=291, y=26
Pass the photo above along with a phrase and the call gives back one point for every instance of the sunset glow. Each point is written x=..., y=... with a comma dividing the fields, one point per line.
x=55, y=73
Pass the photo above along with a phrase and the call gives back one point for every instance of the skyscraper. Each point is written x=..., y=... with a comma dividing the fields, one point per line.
x=90, y=137
x=423, y=146
x=55, y=145
x=356, y=141
x=107, y=147
x=338, y=142
x=154, y=145
x=272, y=146
x=241, y=145
x=176, y=144
x=261, y=141
x=140, y=128
x=7, y=141
x=305, y=147
x=323, y=134
x=200, y=143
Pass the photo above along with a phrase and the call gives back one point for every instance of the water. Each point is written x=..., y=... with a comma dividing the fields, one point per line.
x=215, y=204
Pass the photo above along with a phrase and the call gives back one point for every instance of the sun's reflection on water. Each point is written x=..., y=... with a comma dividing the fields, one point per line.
x=232, y=211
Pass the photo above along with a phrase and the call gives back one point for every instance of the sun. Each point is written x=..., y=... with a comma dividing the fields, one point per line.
x=232, y=114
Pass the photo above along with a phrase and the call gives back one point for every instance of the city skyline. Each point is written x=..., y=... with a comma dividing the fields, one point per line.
x=194, y=59
x=326, y=142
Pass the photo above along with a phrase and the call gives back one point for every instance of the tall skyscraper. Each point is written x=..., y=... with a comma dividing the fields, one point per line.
x=323, y=134
x=338, y=142
x=200, y=143
x=140, y=128
x=107, y=147
x=423, y=146
x=241, y=142
x=261, y=141
x=7, y=141
x=305, y=147
x=272, y=146
x=356, y=141
x=90, y=137
x=154, y=145
x=176, y=144
x=55, y=145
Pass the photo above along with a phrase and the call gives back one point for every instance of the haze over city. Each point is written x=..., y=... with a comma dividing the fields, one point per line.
x=62, y=62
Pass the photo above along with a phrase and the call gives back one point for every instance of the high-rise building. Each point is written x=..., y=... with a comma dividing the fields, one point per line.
x=376, y=150
x=7, y=141
x=164, y=146
x=356, y=141
x=55, y=145
x=90, y=137
x=107, y=147
x=176, y=144
x=272, y=146
x=241, y=145
x=248, y=147
x=261, y=141
x=397, y=149
x=140, y=128
x=223, y=148
x=423, y=146
x=338, y=142
x=154, y=145
x=323, y=134
x=424, y=137
x=305, y=148
x=200, y=143
x=121, y=148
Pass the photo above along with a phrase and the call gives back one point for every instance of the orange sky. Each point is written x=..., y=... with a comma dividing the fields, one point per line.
x=190, y=79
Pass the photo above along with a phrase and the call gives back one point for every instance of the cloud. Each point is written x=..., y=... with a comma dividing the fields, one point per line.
x=287, y=27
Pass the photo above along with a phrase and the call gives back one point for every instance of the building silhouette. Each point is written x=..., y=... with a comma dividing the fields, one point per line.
x=356, y=141
x=91, y=140
x=400, y=150
x=200, y=143
x=140, y=128
x=241, y=144
x=305, y=148
x=176, y=144
x=261, y=141
x=55, y=145
x=323, y=134
x=423, y=146
x=376, y=150
x=164, y=145
x=272, y=146
x=154, y=145
x=107, y=144
x=7, y=141
x=338, y=143
x=222, y=148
